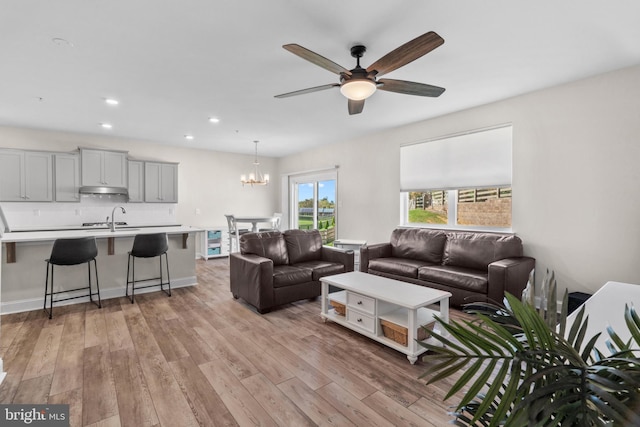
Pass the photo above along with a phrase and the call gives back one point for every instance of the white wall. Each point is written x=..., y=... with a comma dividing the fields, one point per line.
x=207, y=180
x=576, y=177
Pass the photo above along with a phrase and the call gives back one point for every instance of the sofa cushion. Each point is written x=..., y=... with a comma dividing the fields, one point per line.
x=322, y=268
x=457, y=277
x=287, y=275
x=303, y=245
x=478, y=250
x=398, y=266
x=418, y=243
x=267, y=245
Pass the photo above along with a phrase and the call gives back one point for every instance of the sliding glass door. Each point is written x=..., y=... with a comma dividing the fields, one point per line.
x=313, y=203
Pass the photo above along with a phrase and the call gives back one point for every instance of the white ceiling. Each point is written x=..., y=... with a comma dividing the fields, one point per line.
x=173, y=64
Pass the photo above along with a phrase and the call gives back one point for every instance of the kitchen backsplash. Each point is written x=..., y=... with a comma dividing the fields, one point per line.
x=92, y=208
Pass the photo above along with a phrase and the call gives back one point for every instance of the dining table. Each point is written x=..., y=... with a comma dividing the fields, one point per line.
x=255, y=220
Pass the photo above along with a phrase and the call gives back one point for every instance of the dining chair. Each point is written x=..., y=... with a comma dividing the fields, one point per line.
x=234, y=232
x=275, y=223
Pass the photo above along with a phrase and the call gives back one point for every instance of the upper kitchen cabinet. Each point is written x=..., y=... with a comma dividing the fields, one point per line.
x=26, y=176
x=136, y=181
x=67, y=173
x=103, y=167
x=160, y=182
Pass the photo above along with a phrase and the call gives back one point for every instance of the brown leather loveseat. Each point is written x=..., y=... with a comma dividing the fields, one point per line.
x=473, y=266
x=275, y=268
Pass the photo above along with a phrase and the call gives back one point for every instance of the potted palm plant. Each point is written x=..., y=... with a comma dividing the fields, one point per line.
x=522, y=368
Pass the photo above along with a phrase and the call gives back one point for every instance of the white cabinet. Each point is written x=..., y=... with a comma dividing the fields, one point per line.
x=26, y=176
x=136, y=181
x=214, y=242
x=102, y=167
x=160, y=182
x=67, y=174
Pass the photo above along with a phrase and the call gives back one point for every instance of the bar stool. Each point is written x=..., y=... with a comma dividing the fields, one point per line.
x=71, y=252
x=148, y=246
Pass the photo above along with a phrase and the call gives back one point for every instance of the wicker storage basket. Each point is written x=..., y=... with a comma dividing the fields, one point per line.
x=338, y=307
x=399, y=333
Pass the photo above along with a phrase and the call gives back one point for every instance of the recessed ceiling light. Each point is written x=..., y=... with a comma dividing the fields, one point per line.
x=189, y=137
x=61, y=42
x=106, y=125
x=111, y=101
x=214, y=119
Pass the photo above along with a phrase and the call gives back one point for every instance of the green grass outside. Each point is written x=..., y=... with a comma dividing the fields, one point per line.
x=306, y=223
x=426, y=217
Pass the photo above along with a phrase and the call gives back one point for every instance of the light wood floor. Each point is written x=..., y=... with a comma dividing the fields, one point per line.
x=202, y=358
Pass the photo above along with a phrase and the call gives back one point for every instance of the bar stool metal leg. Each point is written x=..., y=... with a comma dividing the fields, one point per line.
x=133, y=282
x=166, y=263
x=46, y=287
x=95, y=267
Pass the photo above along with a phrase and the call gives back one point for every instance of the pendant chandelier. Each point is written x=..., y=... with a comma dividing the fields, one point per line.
x=255, y=177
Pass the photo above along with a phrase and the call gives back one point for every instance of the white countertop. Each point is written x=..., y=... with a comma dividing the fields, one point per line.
x=100, y=233
x=81, y=227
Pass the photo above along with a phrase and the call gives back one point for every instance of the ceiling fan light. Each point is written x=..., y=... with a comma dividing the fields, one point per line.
x=358, y=90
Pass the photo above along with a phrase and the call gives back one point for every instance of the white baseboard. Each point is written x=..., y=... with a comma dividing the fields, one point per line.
x=36, y=303
x=2, y=372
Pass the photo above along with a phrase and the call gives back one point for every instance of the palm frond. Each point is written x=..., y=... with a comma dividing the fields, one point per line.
x=522, y=369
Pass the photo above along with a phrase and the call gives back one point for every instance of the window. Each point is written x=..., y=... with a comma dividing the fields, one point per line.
x=462, y=181
x=478, y=208
x=313, y=203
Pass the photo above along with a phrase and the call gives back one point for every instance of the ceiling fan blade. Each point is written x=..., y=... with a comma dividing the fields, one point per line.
x=410, y=88
x=319, y=60
x=308, y=90
x=355, y=107
x=406, y=53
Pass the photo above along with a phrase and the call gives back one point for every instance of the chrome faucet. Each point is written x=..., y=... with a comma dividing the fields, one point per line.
x=113, y=217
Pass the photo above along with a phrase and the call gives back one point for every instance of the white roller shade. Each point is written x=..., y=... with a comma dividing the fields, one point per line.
x=474, y=160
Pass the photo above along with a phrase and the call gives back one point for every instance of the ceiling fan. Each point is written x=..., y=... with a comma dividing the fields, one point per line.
x=360, y=83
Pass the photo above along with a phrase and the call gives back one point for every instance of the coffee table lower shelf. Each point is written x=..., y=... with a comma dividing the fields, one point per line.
x=378, y=336
x=363, y=309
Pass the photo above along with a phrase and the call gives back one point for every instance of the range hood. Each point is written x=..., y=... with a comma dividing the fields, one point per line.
x=98, y=189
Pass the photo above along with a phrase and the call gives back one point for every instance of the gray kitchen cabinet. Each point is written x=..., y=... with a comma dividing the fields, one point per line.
x=26, y=176
x=160, y=182
x=104, y=167
x=136, y=181
x=67, y=173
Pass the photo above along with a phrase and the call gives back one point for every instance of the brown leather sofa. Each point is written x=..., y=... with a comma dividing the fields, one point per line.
x=275, y=268
x=473, y=266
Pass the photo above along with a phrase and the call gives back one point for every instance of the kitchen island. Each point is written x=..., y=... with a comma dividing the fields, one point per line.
x=23, y=267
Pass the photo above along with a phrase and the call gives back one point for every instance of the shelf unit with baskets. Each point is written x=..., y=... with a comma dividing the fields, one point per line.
x=214, y=243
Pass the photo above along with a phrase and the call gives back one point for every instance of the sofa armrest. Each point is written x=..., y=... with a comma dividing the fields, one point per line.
x=251, y=278
x=339, y=256
x=509, y=275
x=369, y=252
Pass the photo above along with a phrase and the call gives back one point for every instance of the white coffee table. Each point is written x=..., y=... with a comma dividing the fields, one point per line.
x=369, y=298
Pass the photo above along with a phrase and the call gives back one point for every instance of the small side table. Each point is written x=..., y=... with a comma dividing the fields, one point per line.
x=351, y=244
